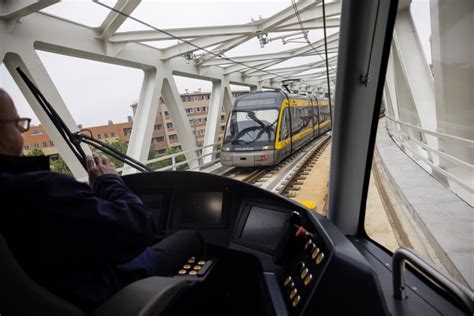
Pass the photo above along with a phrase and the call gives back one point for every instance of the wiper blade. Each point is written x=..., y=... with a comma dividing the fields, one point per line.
x=252, y=115
x=73, y=140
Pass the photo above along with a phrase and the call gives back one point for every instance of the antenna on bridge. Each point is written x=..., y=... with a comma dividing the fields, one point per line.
x=286, y=82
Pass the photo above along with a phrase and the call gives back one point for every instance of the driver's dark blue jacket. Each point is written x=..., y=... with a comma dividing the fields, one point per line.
x=82, y=244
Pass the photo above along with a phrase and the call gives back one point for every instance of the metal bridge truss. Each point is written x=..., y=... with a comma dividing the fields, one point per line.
x=24, y=29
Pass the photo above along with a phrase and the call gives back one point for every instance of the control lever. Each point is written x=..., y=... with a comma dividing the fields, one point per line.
x=295, y=222
x=292, y=224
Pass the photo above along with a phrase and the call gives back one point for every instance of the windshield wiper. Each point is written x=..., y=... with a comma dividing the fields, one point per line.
x=73, y=140
x=252, y=115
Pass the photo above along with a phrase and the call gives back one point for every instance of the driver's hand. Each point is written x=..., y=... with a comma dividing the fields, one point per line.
x=97, y=166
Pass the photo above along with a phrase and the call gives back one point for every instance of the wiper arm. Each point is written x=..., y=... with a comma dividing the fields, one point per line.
x=73, y=140
x=251, y=114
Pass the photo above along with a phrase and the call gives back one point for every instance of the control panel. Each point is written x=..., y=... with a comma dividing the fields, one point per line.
x=196, y=268
x=302, y=268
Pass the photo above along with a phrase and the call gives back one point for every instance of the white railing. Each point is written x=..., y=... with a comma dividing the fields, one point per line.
x=199, y=158
x=408, y=144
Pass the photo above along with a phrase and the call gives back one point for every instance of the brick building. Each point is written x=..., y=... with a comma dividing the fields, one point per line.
x=196, y=106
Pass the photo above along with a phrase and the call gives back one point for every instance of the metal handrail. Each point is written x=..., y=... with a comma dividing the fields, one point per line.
x=401, y=255
x=469, y=142
x=174, y=164
x=415, y=153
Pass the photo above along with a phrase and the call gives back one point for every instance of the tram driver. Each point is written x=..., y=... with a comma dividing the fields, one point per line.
x=82, y=242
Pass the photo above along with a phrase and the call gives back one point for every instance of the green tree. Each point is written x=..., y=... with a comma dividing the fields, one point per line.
x=35, y=152
x=58, y=165
x=119, y=145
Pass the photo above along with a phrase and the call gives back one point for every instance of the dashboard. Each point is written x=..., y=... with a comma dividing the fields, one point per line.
x=307, y=265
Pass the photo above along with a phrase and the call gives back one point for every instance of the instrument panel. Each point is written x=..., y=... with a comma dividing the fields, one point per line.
x=304, y=262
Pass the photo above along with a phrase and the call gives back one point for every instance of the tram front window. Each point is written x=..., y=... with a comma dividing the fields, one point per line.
x=251, y=127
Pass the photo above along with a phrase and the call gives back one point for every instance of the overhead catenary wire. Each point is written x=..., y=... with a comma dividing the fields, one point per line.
x=217, y=55
x=305, y=34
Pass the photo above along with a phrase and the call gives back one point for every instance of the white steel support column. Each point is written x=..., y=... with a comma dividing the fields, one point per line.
x=142, y=130
x=417, y=77
x=453, y=70
x=179, y=118
x=31, y=64
x=256, y=88
x=220, y=96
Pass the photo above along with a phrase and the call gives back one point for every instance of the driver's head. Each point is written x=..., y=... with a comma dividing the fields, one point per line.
x=11, y=141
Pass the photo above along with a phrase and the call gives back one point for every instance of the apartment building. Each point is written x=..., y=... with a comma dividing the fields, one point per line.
x=196, y=106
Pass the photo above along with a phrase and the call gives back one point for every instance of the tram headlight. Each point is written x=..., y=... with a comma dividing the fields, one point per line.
x=267, y=147
x=261, y=157
x=226, y=148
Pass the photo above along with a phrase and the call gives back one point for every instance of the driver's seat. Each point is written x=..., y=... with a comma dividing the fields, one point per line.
x=20, y=295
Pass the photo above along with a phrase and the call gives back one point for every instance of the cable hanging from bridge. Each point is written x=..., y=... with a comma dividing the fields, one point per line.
x=305, y=35
x=221, y=56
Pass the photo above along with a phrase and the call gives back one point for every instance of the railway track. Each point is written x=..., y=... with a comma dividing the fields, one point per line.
x=283, y=177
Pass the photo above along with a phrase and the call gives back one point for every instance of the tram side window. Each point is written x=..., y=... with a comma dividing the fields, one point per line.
x=285, y=126
x=305, y=117
x=296, y=119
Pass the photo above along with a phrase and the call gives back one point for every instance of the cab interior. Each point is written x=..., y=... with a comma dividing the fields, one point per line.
x=265, y=254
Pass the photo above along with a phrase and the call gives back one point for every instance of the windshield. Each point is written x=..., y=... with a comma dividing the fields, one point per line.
x=256, y=127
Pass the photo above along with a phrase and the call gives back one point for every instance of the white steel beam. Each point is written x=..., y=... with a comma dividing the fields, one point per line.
x=453, y=71
x=220, y=96
x=144, y=120
x=114, y=20
x=416, y=73
x=227, y=45
x=32, y=66
x=15, y=9
x=288, y=13
x=332, y=41
x=185, y=33
x=204, y=42
x=181, y=124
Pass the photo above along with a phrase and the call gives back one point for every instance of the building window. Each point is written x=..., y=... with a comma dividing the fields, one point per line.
x=173, y=137
x=169, y=125
x=127, y=131
x=112, y=134
x=158, y=139
x=37, y=146
x=161, y=151
x=198, y=109
x=205, y=119
x=191, y=122
x=105, y=135
x=26, y=147
x=98, y=136
x=204, y=108
x=36, y=132
x=200, y=120
x=51, y=143
x=167, y=114
x=45, y=144
x=222, y=117
x=157, y=127
x=54, y=157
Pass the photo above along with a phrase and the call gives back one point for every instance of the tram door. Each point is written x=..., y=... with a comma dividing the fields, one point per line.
x=285, y=134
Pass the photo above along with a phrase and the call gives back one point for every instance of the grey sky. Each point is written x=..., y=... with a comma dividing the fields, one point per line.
x=96, y=92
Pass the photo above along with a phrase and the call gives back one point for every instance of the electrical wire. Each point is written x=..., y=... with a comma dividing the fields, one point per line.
x=305, y=34
x=217, y=55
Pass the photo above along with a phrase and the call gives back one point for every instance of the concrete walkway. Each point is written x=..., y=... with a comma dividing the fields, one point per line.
x=446, y=221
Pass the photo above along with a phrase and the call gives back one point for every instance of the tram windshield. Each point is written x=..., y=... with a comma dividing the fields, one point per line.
x=251, y=127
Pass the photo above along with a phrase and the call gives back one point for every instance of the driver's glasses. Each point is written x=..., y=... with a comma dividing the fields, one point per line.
x=22, y=123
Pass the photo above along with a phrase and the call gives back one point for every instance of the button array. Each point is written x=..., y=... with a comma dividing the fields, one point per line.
x=191, y=267
x=302, y=270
